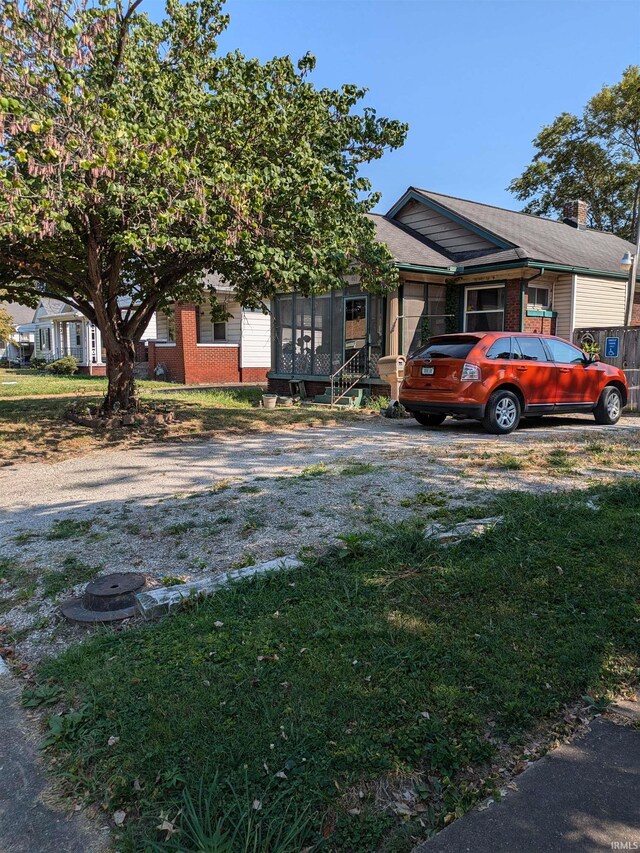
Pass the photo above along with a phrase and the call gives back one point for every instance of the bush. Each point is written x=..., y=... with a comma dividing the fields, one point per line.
x=66, y=366
x=38, y=363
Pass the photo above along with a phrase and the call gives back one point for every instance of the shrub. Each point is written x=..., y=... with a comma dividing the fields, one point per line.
x=38, y=363
x=66, y=366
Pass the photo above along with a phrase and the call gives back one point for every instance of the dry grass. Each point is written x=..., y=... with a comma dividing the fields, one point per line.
x=34, y=430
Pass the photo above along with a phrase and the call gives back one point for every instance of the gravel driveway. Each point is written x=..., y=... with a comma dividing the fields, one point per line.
x=190, y=508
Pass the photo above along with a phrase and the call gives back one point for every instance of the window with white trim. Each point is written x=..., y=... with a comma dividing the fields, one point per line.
x=484, y=308
x=539, y=298
x=165, y=326
x=44, y=336
x=208, y=331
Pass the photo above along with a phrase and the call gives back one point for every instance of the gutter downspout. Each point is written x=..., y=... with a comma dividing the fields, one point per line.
x=524, y=283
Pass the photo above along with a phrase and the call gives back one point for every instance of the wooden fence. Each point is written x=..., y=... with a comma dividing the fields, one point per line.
x=628, y=354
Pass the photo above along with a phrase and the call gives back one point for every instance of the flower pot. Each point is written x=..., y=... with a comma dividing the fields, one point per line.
x=269, y=400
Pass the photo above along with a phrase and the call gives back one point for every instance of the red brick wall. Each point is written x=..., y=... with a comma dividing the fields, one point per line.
x=513, y=307
x=171, y=357
x=281, y=386
x=540, y=325
x=93, y=370
x=254, y=374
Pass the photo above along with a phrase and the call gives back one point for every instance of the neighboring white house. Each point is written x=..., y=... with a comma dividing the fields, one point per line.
x=191, y=348
x=60, y=330
x=182, y=345
x=19, y=348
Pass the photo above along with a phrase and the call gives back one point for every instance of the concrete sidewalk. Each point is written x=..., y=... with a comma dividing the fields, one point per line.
x=29, y=821
x=582, y=797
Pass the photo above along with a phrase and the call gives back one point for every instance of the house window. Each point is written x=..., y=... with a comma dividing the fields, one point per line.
x=45, y=339
x=539, y=297
x=78, y=334
x=484, y=309
x=165, y=326
x=423, y=307
x=209, y=332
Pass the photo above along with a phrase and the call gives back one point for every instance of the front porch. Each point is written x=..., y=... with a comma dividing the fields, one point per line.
x=71, y=334
x=319, y=339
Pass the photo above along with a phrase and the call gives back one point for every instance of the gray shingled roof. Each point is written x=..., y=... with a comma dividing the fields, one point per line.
x=540, y=239
x=20, y=314
x=406, y=245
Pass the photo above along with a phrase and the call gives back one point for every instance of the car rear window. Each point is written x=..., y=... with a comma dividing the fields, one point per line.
x=500, y=349
x=449, y=347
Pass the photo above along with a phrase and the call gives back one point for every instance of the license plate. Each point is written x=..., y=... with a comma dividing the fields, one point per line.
x=428, y=371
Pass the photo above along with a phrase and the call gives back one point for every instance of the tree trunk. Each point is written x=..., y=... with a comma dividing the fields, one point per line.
x=121, y=393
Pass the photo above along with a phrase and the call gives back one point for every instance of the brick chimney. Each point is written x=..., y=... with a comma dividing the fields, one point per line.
x=574, y=213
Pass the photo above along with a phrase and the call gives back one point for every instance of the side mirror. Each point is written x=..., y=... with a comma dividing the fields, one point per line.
x=591, y=357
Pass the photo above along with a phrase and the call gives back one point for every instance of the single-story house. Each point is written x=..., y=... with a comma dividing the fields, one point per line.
x=189, y=347
x=181, y=344
x=18, y=349
x=463, y=266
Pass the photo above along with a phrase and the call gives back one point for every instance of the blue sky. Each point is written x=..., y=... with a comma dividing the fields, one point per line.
x=474, y=80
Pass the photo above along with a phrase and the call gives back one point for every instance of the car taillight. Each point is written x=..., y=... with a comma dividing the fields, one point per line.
x=470, y=373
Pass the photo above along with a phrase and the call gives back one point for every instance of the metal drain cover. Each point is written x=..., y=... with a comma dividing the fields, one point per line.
x=109, y=598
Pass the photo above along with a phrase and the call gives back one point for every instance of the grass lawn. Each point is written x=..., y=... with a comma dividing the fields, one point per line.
x=32, y=427
x=296, y=711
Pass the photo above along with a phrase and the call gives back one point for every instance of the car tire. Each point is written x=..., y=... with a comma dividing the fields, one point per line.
x=609, y=407
x=428, y=420
x=503, y=413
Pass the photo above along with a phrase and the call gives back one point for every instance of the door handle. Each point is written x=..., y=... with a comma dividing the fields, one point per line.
x=521, y=367
x=564, y=369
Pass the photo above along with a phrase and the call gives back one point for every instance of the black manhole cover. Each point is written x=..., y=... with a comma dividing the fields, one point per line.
x=106, y=599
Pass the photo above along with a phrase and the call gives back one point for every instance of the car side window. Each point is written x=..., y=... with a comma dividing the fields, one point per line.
x=500, y=349
x=564, y=353
x=529, y=349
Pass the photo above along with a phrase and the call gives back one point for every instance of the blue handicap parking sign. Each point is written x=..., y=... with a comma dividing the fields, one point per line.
x=611, y=347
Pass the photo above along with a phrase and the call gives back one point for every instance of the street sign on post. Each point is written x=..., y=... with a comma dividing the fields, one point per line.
x=611, y=347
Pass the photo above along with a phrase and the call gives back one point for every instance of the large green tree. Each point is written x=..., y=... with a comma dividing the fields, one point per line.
x=134, y=158
x=594, y=157
x=7, y=326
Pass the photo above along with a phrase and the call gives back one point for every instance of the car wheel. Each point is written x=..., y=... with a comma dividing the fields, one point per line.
x=429, y=420
x=502, y=414
x=609, y=406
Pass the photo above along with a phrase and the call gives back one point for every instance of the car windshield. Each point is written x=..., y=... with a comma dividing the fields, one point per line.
x=449, y=347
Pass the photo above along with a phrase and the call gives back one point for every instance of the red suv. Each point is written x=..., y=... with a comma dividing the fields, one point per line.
x=498, y=377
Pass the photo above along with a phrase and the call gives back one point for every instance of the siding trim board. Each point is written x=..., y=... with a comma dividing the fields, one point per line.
x=411, y=195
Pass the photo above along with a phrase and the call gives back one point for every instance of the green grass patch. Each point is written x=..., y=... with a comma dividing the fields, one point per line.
x=388, y=658
x=68, y=528
x=507, y=462
x=320, y=469
x=356, y=469
x=73, y=572
x=425, y=499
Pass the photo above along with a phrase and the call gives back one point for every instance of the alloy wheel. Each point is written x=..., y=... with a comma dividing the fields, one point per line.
x=613, y=405
x=506, y=413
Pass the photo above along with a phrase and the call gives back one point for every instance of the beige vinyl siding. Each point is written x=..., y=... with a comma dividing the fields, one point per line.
x=151, y=332
x=165, y=326
x=599, y=302
x=256, y=339
x=445, y=232
x=233, y=326
x=563, y=305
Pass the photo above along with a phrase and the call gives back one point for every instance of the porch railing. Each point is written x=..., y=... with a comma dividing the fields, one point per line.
x=76, y=352
x=347, y=376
